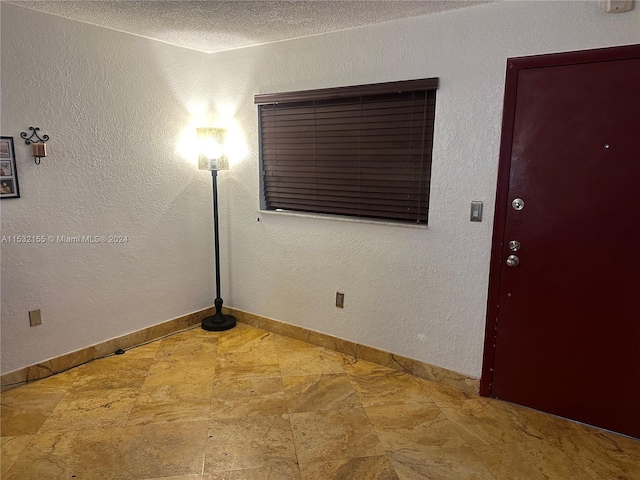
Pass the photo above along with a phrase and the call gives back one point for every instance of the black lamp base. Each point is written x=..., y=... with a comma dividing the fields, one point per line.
x=219, y=321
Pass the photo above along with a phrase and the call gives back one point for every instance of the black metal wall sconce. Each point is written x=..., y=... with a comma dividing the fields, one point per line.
x=38, y=144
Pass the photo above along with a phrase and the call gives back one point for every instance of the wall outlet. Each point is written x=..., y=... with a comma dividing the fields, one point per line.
x=35, y=318
x=339, y=300
x=616, y=6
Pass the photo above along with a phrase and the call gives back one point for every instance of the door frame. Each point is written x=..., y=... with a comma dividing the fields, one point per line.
x=514, y=65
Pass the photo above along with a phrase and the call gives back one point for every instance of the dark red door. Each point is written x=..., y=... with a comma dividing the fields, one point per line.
x=568, y=293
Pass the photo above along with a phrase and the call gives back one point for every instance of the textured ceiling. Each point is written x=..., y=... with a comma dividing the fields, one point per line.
x=213, y=26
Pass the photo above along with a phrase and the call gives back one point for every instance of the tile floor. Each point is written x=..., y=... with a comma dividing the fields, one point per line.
x=248, y=404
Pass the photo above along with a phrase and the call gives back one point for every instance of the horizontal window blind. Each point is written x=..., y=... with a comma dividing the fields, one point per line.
x=362, y=155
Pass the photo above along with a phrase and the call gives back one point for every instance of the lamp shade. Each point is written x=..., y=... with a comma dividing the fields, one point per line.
x=211, y=149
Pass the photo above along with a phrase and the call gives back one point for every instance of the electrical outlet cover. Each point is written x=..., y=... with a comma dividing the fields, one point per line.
x=35, y=318
x=617, y=6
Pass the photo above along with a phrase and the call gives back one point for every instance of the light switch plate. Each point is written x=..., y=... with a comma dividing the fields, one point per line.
x=339, y=300
x=476, y=211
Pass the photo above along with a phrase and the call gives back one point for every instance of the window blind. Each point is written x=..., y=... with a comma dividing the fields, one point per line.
x=361, y=151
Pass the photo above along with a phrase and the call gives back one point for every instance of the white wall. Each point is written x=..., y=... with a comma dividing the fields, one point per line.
x=420, y=293
x=116, y=107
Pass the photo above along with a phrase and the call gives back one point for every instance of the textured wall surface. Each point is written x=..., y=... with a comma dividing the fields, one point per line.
x=419, y=293
x=116, y=107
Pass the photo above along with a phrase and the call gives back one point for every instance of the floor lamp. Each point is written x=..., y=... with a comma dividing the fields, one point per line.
x=211, y=157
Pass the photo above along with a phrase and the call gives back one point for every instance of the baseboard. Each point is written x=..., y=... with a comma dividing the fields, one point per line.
x=371, y=354
x=84, y=355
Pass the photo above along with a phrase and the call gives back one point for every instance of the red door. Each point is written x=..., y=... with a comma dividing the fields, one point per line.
x=563, y=331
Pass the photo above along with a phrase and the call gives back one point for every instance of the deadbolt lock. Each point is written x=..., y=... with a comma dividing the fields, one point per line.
x=512, y=261
x=514, y=245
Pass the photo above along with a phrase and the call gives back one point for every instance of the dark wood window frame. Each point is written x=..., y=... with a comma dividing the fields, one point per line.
x=361, y=151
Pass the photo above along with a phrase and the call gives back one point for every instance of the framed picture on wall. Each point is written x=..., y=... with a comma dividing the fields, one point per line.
x=8, y=172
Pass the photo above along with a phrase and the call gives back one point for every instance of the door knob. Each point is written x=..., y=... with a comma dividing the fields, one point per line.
x=512, y=261
x=518, y=204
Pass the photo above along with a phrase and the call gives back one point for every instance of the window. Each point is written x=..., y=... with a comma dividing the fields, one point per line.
x=362, y=151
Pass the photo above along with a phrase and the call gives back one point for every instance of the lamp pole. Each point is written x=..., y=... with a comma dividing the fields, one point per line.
x=219, y=321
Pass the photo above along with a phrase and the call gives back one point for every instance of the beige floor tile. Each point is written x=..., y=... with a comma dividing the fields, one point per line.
x=189, y=401
x=240, y=371
x=24, y=409
x=162, y=450
x=89, y=454
x=247, y=396
x=449, y=397
x=174, y=391
x=604, y=456
x=264, y=342
x=249, y=442
x=286, y=344
x=363, y=468
x=11, y=448
x=413, y=427
x=111, y=373
x=186, y=346
x=440, y=464
x=256, y=357
x=551, y=426
x=215, y=405
x=310, y=362
x=288, y=471
x=389, y=388
x=334, y=435
x=243, y=338
x=179, y=371
x=179, y=477
x=247, y=360
x=489, y=423
x=227, y=386
x=90, y=410
x=319, y=392
x=534, y=460
x=195, y=375
x=195, y=330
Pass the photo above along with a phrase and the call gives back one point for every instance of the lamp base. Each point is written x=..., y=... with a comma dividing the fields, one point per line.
x=219, y=321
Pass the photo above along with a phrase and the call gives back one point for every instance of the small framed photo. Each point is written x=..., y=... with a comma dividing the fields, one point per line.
x=5, y=168
x=8, y=172
x=5, y=147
